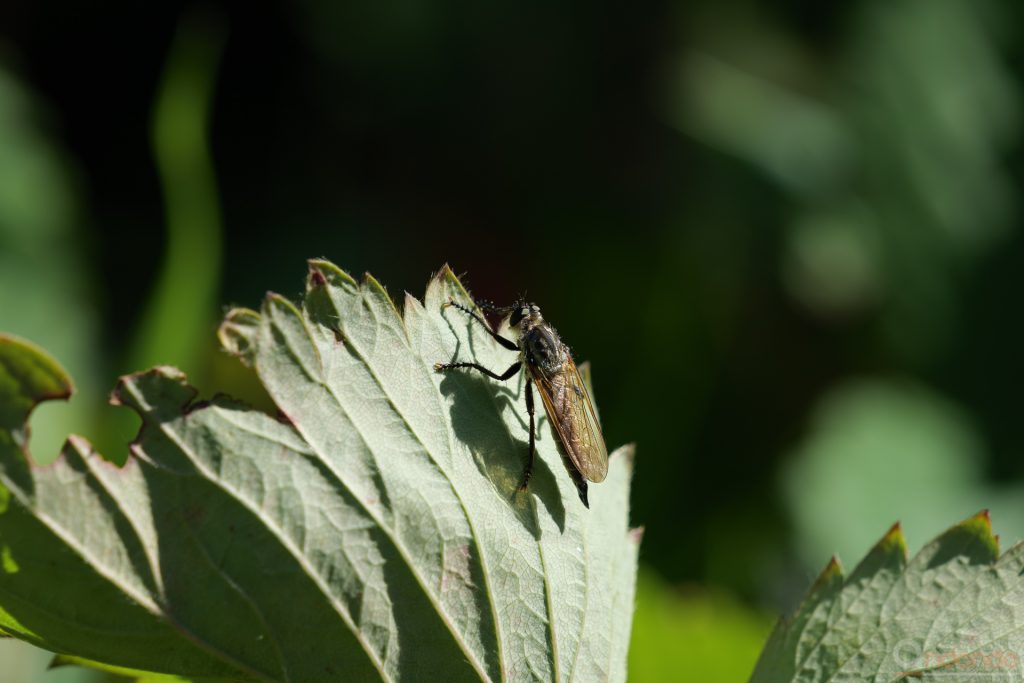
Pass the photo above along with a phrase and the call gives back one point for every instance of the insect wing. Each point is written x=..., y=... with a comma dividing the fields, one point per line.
x=569, y=408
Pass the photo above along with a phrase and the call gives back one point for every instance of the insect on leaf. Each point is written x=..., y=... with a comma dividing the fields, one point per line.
x=369, y=531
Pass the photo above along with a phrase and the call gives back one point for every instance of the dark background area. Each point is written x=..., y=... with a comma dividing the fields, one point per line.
x=786, y=234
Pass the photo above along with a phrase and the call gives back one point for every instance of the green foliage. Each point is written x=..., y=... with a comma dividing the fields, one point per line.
x=371, y=531
x=888, y=153
x=182, y=305
x=45, y=286
x=950, y=613
x=692, y=636
x=878, y=450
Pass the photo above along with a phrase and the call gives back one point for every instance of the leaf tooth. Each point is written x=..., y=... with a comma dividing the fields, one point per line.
x=332, y=274
x=782, y=652
x=444, y=286
x=373, y=286
x=411, y=304
x=277, y=310
x=971, y=538
x=890, y=552
x=315, y=279
x=157, y=394
x=443, y=273
x=275, y=300
x=832, y=571
x=446, y=276
x=828, y=583
x=627, y=453
x=237, y=333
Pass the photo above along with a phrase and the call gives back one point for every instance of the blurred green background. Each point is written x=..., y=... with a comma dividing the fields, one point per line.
x=787, y=234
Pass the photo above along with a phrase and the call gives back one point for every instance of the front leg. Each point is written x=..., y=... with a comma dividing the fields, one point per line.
x=508, y=374
x=507, y=343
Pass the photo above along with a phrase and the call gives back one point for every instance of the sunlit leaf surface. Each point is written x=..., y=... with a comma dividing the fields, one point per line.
x=371, y=530
x=952, y=613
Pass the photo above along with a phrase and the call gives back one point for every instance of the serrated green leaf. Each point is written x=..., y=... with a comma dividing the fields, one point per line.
x=371, y=531
x=952, y=613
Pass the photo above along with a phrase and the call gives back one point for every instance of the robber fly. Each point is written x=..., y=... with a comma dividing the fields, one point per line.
x=558, y=381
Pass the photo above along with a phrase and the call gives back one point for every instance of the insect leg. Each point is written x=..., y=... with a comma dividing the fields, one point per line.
x=507, y=343
x=533, y=445
x=508, y=374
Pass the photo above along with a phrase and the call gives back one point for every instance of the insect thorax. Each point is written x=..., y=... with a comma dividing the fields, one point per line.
x=543, y=348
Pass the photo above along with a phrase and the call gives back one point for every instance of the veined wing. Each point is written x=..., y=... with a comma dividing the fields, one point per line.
x=571, y=412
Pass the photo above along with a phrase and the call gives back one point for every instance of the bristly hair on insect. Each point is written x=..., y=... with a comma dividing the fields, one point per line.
x=553, y=372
